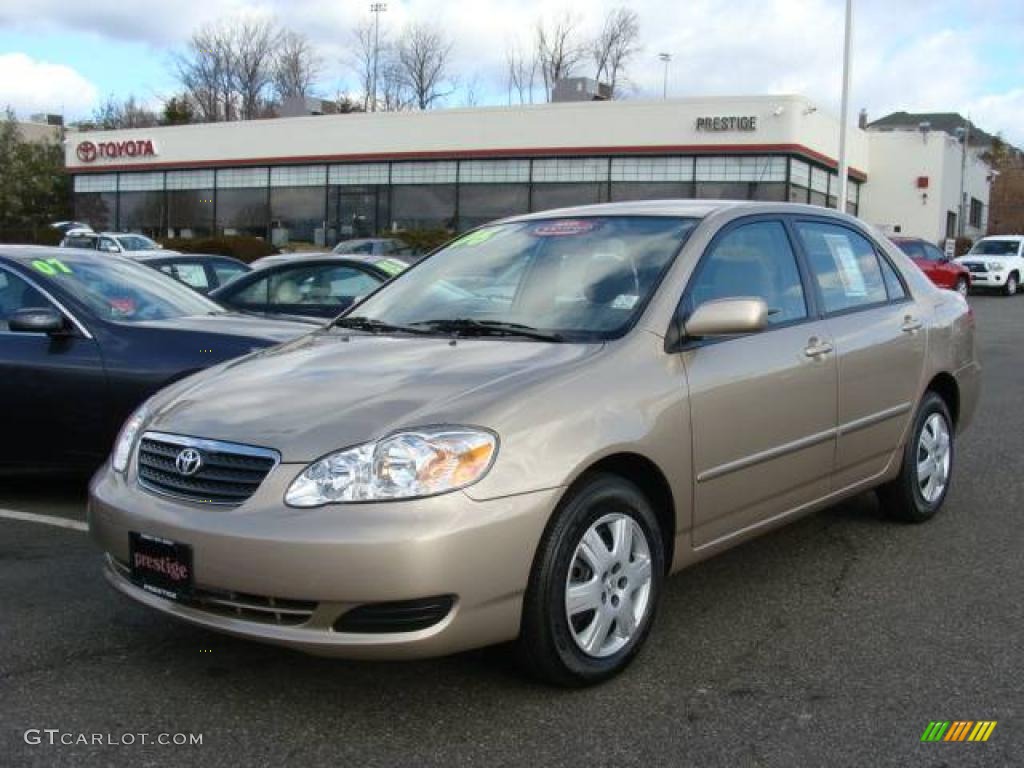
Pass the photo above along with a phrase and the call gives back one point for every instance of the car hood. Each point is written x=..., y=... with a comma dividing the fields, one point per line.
x=329, y=390
x=235, y=324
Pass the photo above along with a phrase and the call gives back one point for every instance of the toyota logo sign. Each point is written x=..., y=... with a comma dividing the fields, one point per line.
x=188, y=462
x=86, y=151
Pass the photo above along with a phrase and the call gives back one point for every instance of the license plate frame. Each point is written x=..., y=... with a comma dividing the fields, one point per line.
x=160, y=566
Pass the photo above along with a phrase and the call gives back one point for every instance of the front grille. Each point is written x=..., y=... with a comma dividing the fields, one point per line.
x=228, y=473
x=397, y=616
x=266, y=610
x=975, y=266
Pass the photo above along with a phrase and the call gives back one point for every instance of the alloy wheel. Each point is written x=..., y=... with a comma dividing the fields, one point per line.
x=608, y=589
x=933, y=458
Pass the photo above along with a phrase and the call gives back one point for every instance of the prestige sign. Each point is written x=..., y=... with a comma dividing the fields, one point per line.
x=727, y=123
x=89, y=151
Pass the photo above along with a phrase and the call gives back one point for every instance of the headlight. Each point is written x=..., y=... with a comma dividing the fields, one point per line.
x=126, y=439
x=995, y=266
x=422, y=462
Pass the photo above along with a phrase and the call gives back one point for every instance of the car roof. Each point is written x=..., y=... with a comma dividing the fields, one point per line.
x=684, y=207
x=26, y=254
x=163, y=255
x=1016, y=238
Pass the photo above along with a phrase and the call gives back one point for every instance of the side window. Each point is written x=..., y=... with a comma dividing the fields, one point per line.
x=913, y=249
x=108, y=245
x=845, y=266
x=893, y=286
x=256, y=294
x=191, y=274
x=226, y=271
x=932, y=253
x=346, y=283
x=753, y=260
x=16, y=294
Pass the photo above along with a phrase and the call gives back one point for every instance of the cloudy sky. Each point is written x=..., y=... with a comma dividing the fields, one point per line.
x=918, y=55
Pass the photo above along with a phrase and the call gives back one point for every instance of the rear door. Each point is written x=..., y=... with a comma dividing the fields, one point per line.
x=53, y=390
x=943, y=272
x=763, y=406
x=879, y=336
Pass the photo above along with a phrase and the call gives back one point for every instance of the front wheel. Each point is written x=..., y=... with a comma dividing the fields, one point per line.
x=594, y=587
x=921, y=487
x=963, y=286
x=1011, y=284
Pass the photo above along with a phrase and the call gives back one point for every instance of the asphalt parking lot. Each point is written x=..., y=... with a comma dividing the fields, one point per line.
x=832, y=642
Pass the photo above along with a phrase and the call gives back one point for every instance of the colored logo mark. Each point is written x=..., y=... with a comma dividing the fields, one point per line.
x=958, y=730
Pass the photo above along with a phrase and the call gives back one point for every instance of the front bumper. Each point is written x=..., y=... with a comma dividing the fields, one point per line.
x=335, y=558
x=988, y=279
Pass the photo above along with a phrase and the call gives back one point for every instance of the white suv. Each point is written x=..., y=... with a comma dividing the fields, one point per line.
x=996, y=262
x=125, y=243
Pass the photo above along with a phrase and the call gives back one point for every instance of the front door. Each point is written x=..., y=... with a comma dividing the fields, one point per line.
x=53, y=390
x=763, y=406
x=879, y=338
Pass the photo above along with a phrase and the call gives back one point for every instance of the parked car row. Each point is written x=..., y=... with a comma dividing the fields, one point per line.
x=993, y=262
x=518, y=438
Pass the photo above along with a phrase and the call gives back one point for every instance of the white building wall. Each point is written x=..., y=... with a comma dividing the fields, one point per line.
x=892, y=200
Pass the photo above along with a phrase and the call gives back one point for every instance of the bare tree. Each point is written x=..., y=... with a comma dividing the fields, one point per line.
x=204, y=71
x=422, y=57
x=614, y=46
x=254, y=42
x=522, y=72
x=112, y=114
x=296, y=66
x=558, y=50
x=361, y=60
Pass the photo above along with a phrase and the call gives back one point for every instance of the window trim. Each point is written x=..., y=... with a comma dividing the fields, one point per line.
x=684, y=307
x=879, y=254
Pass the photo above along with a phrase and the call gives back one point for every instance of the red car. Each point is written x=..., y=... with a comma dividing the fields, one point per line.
x=933, y=262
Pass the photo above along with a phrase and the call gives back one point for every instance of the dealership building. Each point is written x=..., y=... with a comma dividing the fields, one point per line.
x=319, y=179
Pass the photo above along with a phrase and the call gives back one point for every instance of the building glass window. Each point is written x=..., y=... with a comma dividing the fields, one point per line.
x=480, y=203
x=723, y=190
x=242, y=212
x=975, y=217
x=299, y=176
x=356, y=211
x=852, y=197
x=547, y=196
x=189, y=180
x=651, y=190
x=140, y=182
x=651, y=169
x=950, y=223
x=101, y=182
x=242, y=178
x=141, y=212
x=358, y=174
x=570, y=169
x=97, y=209
x=441, y=172
x=297, y=215
x=757, y=169
x=494, y=171
x=189, y=212
x=423, y=206
x=833, y=190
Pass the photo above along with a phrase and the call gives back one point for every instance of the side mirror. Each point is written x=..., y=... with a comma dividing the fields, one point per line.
x=41, y=320
x=727, y=317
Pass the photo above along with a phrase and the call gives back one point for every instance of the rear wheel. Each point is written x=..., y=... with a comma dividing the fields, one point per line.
x=1011, y=284
x=921, y=487
x=596, y=580
x=963, y=286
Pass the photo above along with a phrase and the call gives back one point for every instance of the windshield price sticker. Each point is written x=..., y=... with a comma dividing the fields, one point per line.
x=565, y=228
x=476, y=238
x=391, y=266
x=51, y=267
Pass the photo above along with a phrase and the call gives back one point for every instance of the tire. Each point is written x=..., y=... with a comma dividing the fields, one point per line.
x=1011, y=284
x=551, y=646
x=963, y=286
x=911, y=497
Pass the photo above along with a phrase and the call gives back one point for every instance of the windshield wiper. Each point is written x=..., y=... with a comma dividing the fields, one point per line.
x=469, y=326
x=369, y=324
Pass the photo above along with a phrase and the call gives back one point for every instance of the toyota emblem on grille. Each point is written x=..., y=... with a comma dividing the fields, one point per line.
x=188, y=461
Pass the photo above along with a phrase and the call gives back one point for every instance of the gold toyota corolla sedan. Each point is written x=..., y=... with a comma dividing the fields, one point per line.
x=520, y=437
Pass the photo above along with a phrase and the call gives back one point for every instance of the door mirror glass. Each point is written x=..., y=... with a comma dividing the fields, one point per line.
x=37, y=320
x=728, y=317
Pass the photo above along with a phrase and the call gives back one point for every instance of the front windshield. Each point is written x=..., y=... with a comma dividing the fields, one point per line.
x=137, y=243
x=119, y=290
x=995, y=248
x=577, y=279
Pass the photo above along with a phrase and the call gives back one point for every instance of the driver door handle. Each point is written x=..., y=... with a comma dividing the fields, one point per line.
x=817, y=348
x=911, y=324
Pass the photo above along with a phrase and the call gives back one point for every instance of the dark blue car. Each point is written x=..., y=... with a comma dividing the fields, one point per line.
x=86, y=337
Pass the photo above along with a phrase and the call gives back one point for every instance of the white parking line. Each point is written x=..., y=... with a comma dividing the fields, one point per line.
x=29, y=517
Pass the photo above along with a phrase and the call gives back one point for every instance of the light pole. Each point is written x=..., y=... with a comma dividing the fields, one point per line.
x=376, y=9
x=665, y=58
x=844, y=109
x=964, y=134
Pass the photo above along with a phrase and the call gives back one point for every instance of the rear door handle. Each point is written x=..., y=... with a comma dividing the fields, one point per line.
x=816, y=348
x=911, y=324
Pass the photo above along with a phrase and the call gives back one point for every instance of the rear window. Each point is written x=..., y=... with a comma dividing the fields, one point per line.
x=80, y=242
